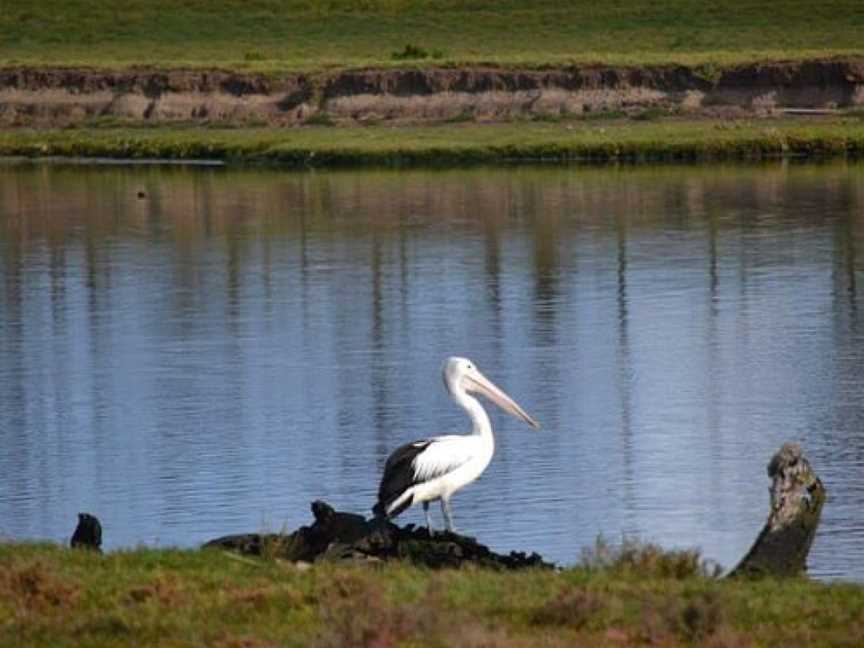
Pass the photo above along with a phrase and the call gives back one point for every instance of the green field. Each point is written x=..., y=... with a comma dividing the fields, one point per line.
x=633, y=140
x=51, y=596
x=275, y=35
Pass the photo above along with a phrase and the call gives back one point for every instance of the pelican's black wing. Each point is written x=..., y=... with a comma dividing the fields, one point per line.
x=399, y=475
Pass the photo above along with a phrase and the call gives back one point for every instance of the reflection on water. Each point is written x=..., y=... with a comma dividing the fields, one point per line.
x=213, y=355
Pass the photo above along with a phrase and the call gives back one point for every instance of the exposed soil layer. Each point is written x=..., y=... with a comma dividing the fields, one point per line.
x=61, y=97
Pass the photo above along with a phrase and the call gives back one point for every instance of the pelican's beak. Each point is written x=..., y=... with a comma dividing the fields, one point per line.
x=477, y=382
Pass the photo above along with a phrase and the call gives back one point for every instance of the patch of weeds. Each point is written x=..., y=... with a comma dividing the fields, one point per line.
x=697, y=621
x=700, y=618
x=654, y=113
x=253, y=55
x=591, y=115
x=34, y=588
x=573, y=607
x=467, y=115
x=106, y=625
x=647, y=560
x=415, y=52
x=708, y=72
x=319, y=119
x=355, y=612
x=276, y=545
x=249, y=123
x=260, y=597
x=242, y=641
x=550, y=118
x=165, y=592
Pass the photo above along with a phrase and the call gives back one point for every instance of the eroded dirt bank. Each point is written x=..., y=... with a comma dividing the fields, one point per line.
x=60, y=97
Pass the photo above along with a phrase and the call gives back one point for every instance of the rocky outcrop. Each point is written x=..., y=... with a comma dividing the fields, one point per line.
x=54, y=97
x=337, y=536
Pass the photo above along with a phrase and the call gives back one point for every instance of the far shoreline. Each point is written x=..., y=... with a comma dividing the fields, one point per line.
x=572, y=141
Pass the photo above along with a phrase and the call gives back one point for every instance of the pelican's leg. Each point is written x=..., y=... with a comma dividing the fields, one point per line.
x=428, y=519
x=448, y=514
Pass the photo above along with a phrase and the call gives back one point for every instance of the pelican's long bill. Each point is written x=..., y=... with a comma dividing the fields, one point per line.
x=477, y=382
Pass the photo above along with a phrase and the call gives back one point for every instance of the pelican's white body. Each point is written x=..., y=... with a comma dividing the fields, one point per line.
x=446, y=464
x=461, y=459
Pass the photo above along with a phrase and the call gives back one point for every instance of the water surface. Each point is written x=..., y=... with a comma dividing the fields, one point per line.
x=190, y=352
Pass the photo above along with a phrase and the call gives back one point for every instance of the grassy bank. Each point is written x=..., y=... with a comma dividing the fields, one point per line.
x=455, y=143
x=308, y=34
x=51, y=596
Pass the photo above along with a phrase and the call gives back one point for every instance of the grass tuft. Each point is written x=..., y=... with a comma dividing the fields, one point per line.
x=319, y=119
x=410, y=53
x=633, y=556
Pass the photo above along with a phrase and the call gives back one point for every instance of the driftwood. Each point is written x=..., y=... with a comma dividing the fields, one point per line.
x=797, y=496
x=88, y=533
x=337, y=536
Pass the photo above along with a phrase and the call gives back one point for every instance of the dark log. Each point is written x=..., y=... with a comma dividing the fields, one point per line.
x=337, y=536
x=797, y=496
x=88, y=533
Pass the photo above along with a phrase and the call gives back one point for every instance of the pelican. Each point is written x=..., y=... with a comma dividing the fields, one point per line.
x=434, y=469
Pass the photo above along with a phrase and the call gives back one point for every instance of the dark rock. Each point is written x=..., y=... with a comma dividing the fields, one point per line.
x=338, y=536
x=88, y=533
x=797, y=496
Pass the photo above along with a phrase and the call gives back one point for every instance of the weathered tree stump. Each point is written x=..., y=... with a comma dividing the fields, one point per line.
x=337, y=536
x=88, y=533
x=797, y=496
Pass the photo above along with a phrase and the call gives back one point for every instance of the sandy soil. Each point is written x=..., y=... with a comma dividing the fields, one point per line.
x=63, y=97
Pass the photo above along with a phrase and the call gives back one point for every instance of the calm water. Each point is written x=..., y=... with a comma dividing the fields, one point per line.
x=214, y=355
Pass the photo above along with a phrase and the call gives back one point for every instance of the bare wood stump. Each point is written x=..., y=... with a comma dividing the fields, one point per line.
x=797, y=496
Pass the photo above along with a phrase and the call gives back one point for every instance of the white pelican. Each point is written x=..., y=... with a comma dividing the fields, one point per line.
x=434, y=469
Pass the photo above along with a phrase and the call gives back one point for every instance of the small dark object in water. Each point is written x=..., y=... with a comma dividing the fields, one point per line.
x=797, y=496
x=88, y=533
x=141, y=194
x=339, y=536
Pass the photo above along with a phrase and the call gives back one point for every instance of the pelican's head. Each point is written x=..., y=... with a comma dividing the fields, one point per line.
x=462, y=375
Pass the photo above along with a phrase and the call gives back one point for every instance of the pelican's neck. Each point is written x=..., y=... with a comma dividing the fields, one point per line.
x=480, y=422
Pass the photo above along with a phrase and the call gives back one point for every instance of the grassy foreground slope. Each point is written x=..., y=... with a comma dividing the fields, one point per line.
x=312, y=34
x=51, y=596
x=455, y=144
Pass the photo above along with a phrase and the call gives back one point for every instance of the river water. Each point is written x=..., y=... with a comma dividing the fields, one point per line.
x=190, y=352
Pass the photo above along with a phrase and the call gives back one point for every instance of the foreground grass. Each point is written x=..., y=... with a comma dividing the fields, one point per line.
x=51, y=596
x=455, y=143
x=273, y=35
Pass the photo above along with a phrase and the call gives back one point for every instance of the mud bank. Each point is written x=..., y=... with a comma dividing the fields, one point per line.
x=63, y=97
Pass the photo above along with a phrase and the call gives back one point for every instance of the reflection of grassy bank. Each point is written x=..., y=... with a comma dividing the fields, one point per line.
x=455, y=143
x=51, y=596
x=302, y=34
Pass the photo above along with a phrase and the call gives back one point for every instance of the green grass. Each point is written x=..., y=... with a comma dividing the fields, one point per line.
x=51, y=596
x=637, y=140
x=278, y=35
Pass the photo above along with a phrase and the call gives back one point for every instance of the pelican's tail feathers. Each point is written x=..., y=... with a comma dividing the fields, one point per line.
x=394, y=507
x=398, y=505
